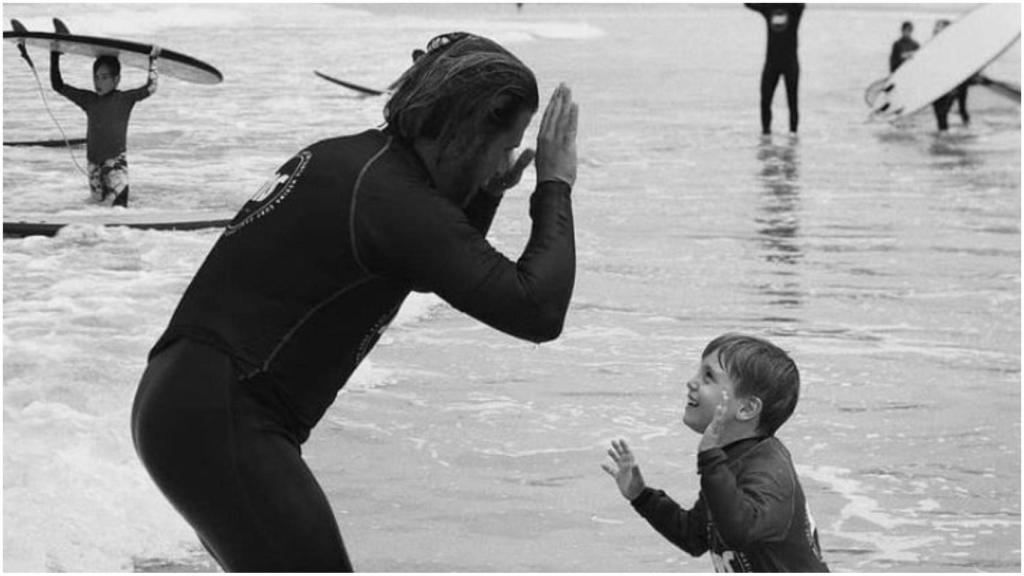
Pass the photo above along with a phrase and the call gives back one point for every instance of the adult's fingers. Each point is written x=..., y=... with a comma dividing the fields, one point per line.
x=553, y=112
x=565, y=113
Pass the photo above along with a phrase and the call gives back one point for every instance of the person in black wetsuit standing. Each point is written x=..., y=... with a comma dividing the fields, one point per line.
x=302, y=283
x=903, y=48
x=781, y=60
x=943, y=105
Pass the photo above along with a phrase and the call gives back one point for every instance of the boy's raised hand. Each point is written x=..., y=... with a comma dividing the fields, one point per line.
x=626, y=472
x=713, y=433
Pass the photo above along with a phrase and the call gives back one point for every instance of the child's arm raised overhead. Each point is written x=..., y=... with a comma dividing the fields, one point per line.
x=686, y=529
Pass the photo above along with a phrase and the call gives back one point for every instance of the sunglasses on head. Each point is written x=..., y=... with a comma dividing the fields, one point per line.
x=444, y=40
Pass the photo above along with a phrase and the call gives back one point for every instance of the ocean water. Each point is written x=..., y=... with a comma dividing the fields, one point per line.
x=886, y=259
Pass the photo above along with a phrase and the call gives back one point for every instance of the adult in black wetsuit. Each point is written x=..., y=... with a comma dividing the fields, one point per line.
x=780, y=60
x=300, y=286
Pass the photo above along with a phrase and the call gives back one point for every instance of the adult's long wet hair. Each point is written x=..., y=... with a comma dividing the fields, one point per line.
x=464, y=90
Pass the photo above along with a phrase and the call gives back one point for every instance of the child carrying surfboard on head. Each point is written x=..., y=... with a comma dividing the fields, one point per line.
x=108, y=111
x=751, y=513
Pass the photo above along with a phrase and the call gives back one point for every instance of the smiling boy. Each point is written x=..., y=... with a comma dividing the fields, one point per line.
x=751, y=513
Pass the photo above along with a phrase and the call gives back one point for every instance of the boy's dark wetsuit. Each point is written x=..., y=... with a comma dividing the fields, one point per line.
x=901, y=50
x=751, y=513
x=106, y=133
x=780, y=59
x=290, y=299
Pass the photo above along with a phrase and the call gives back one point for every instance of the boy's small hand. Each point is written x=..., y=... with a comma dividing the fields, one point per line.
x=713, y=433
x=626, y=472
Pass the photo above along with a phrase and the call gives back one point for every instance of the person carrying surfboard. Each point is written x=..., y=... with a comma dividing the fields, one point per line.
x=904, y=47
x=108, y=111
x=312, y=270
x=943, y=105
x=781, y=61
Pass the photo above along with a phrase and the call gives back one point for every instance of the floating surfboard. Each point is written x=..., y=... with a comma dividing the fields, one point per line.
x=361, y=89
x=47, y=143
x=134, y=54
x=50, y=225
x=957, y=53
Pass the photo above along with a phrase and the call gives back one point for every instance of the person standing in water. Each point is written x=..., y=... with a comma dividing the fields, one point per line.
x=903, y=48
x=781, y=60
x=943, y=105
x=311, y=271
x=108, y=111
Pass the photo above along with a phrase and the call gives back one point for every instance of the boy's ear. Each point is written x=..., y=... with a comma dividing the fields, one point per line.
x=749, y=408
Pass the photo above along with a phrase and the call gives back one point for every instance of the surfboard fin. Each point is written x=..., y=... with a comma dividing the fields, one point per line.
x=19, y=27
x=60, y=27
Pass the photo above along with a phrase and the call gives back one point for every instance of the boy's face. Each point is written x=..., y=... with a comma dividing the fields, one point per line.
x=704, y=394
x=104, y=80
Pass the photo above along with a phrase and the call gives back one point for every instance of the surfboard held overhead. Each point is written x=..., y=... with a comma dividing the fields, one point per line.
x=135, y=54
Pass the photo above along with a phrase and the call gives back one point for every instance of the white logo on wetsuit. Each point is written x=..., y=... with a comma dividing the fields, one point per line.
x=272, y=193
x=779, y=20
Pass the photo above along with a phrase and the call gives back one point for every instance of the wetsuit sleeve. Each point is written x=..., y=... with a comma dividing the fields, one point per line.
x=149, y=88
x=56, y=80
x=80, y=97
x=758, y=507
x=894, y=57
x=435, y=246
x=687, y=529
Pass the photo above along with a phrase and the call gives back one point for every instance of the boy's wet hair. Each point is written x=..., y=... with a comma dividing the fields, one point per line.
x=762, y=369
x=464, y=88
x=907, y=24
x=111, y=62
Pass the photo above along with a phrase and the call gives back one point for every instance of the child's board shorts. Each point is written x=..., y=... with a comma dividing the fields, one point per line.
x=108, y=181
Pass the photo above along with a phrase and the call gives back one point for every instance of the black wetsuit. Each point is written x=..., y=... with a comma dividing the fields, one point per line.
x=751, y=513
x=901, y=50
x=288, y=302
x=943, y=105
x=781, y=60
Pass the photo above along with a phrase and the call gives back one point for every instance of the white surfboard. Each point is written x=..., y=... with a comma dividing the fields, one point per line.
x=960, y=51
